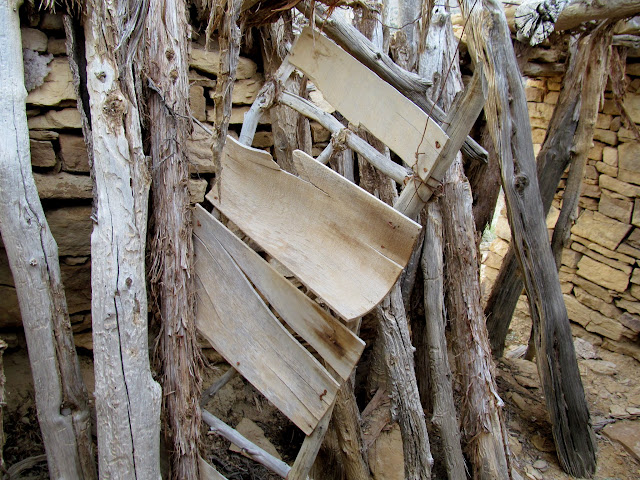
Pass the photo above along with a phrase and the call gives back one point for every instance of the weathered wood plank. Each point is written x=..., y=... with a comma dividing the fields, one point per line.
x=335, y=343
x=375, y=104
x=256, y=344
x=344, y=244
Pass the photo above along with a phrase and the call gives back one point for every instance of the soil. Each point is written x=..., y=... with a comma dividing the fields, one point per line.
x=610, y=381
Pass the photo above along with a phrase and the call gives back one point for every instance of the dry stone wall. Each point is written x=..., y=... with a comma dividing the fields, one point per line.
x=600, y=271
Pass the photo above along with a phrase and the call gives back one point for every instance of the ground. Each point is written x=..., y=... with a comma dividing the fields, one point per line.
x=610, y=381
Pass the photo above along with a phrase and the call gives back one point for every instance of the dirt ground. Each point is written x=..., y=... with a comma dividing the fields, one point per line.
x=611, y=383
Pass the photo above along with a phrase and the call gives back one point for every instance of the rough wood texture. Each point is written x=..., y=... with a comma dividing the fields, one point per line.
x=407, y=83
x=171, y=249
x=595, y=80
x=535, y=19
x=375, y=104
x=341, y=232
x=257, y=344
x=127, y=397
x=251, y=449
x=61, y=398
x=406, y=408
x=207, y=472
x=506, y=112
x=309, y=450
x=444, y=416
x=3, y=379
x=552, y=161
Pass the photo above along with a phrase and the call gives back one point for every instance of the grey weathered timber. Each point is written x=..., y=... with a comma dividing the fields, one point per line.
x=444, y=417
x=407, y=83
x=127, y=397
x=171, y=247
x=61, y=398
x=3, y=402
x=309, y=450
x=506, y=112
x=552, y=161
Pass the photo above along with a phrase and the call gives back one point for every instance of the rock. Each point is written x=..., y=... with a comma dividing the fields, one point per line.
x=595, y=303
x=57, y=46
x=52, y=21
x=197, y=189
x=9, y=308
x=493, y=260
x=635, y=219
x=633, y=411
x=201, y=80
x=625, y=267
x=33, y=39
x=56, y=120
x=499, y=247
x=42, y=154
x=245, y=91
x=199, y=152
x=386, y=455
x=316, y=97
x=57, y=86
x=542, y=111
x=197, y=102
x=543, y=444
x=71, y=227
x=252, y=432
x=618, y=186
x=237, y=116
x=541, y=465
x=63, y=186
x=502, y=228
x=615, y=208
x=519, y=401
x=534, y=94
x=43, y=135
x=36, y=68
x=605, y=136
x=83, y=340
x=629, y=306
x=591, y=320
x=77, y=285
x=634, y=238
x=73, y=152
x=600, y=229
x=209, y=62
x=262, y=140
x=627, y=434
x=630, y=321
x=601, y=366
x=632, y=106
x=610, y=156
x=603, y=275
x=624, y=347
x=584, y=349
x=319, y=133
x=80, y=322
x=538, y=134
x=593, y=289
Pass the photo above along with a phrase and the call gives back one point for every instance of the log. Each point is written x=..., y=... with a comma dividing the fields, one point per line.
x=171, y=247
x=506, y=112
x=61, y=397
x=407, y=83
x=309, y=450
x=249, y=448
x=127, y=397
x=3, y=402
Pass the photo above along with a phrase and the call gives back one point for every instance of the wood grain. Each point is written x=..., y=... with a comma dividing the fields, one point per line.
x=344, y=244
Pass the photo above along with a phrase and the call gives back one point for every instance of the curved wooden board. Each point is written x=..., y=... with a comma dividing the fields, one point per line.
x=335, y=343
x=344, y=244
x=237, y=323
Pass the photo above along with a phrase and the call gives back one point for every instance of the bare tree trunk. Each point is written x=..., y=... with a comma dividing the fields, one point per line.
x=3, y=379
x=127, y=397
x=507, y=112
x=171, y=269
x=61, y=398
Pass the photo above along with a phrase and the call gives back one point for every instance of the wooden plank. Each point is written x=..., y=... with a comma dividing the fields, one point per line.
x=207, y=472
x=344, y=244
x=237, y=323
x=335, y=343
x=373, y=103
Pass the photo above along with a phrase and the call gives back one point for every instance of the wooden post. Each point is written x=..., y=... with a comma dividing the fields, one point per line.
x=61, y=398
x=507, y=113
x=171, y=266
x=127, y=397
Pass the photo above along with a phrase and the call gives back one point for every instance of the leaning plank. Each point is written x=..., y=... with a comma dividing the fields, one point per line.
x=375, y=104
x=207, y=472
x=256, y=343
x=344, y=244
x=335, y=343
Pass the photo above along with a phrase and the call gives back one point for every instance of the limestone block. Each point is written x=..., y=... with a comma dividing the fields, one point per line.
x=534, y=94
x=252, y=432
x=499, y=247
x=538, y=135
x=319, y=133
x=57, y=46
x=199, y=152
x=607, y=169
x=42, y=154
x=197, y=189
x=540, y=110
x=605, y=136
x=43, y=135
x=627, y=434
x=604, y=121
x=552, y=98
x=592, y=191
x=33, y=39
x=52, y=21
x=570, y=258
x=629, y=306
x=610, y=156
x=245, y=91
x=200, y=80
x=615, y=208
x=77, y=286
x=610, y=108
x=386, y=455
x=635, y=219
x=618, y=186
x=56, y=120
x=632, y=106
x=63, y=186
x=593, y=289
x=197, y=102
x=607, y=309
x=591, y=320
x=57, y=86
x=9, y=308
x=71, y=227
x=493, y=260
x=582, y=244
x=73, y=152
x=262, y=140
x=600, y=229
x=603, y=275
x=209, y=62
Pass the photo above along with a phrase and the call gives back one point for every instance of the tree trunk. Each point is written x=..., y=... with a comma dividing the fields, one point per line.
x=127, y=397
x=3, y=379
x=507, y=113
x=61, y=398
x=171, y=269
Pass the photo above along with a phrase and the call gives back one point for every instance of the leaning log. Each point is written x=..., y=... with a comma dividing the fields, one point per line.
x=507, y=113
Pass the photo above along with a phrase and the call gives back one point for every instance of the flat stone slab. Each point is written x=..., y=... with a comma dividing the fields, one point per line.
x=627, y=434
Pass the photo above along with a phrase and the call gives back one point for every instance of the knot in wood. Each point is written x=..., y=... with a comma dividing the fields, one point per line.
x=339, y=139
x=115, y=105
x=520, y=182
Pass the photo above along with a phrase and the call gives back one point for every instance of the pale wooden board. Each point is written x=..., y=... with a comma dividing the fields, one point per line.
x=335, y=343
x=207, y=472
x=344, y=244
x=365, y=99
x=237, y=323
